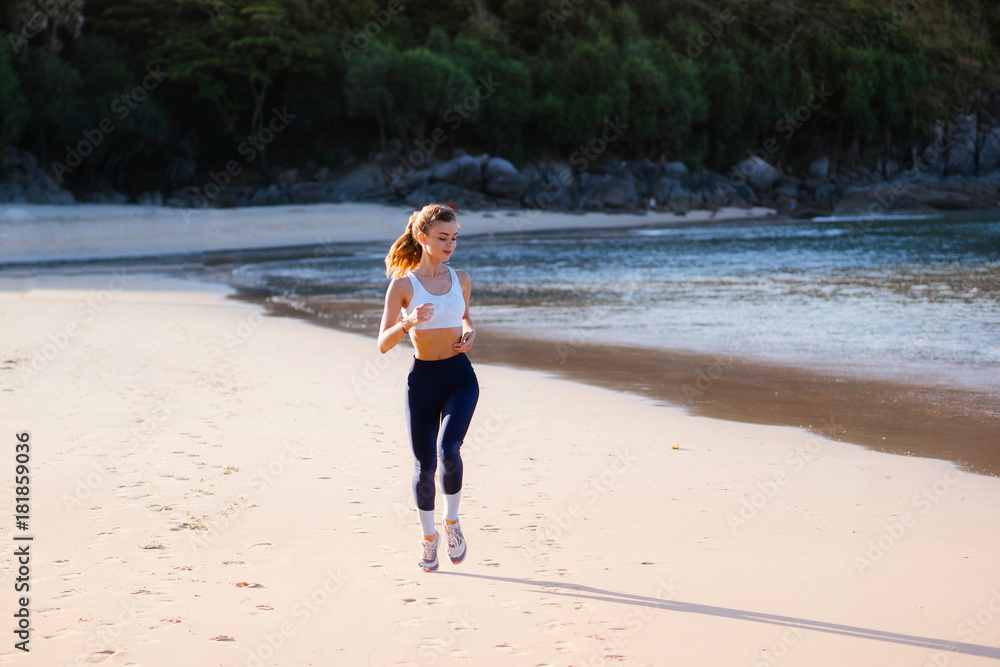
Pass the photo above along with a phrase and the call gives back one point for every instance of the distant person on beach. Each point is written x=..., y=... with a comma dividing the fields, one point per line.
x=429, y=301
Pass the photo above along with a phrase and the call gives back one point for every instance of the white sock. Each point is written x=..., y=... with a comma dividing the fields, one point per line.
x=427, y=521
x=451, y=505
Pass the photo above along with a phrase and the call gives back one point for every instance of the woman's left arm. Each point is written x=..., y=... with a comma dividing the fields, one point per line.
x=468, y=329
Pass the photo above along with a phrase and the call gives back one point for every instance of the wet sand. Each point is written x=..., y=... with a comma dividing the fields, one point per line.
x=956, y=425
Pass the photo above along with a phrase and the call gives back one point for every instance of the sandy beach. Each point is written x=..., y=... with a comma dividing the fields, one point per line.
x=214, y=487
x=60, y=233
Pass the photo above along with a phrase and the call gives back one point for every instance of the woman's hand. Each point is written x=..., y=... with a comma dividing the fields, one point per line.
x=421, y=313
x=465, y=344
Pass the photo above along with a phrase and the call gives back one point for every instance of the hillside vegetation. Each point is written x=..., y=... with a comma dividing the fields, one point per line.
x=139, y=84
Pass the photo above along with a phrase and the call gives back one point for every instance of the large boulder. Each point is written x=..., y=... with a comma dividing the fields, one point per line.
x=310, y=193
x=502, y=179
x=961, y=157
x=272, y=195
x=550, y=186
x=601, y=192
x=365, y=184
x=989, y=154
x=755, y=171
x=644, y=173
x=444, y=193
x=672, y=195
x=37, y=187
x=676, y=170
x=819, y=168
x=464, y=171
x=940, y=194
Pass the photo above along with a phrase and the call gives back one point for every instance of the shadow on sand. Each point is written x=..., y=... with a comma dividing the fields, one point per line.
x=591, y=593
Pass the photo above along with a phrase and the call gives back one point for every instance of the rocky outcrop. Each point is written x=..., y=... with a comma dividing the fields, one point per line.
x=755, y=171
x=25, y=182
x=932, y=192
x=502, y=179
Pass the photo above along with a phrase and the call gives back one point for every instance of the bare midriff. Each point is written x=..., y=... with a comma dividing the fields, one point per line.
x=435, y=344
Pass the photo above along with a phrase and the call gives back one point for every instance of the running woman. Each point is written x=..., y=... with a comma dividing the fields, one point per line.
x=429, y=301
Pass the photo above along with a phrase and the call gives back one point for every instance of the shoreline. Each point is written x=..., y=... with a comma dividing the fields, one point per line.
x=237, y=488
x=886, y=416
x=35, y=234
x=955, y=425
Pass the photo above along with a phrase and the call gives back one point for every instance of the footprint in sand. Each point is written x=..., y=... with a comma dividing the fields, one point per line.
x=411, y=622
x=489, y=562
x=459, y=654
x=564, y=647
x=428, y=602
x=407, y=583
x=554, y=626
x=69, y=593
x=549, y=602
x=99, y=656
x=222, y=638
x=260, y=546
x=506, y=648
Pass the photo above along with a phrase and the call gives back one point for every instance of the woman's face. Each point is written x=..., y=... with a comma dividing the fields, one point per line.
x=440, y=241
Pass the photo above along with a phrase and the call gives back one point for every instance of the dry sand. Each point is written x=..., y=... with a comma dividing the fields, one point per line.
x=212, y=487
x=53, y=233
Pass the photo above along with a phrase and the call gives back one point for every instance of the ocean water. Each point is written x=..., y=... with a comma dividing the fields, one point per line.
x=912, y=299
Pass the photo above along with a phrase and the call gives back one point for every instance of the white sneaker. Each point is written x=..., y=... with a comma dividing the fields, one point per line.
x=429, y=558
x=456, y=542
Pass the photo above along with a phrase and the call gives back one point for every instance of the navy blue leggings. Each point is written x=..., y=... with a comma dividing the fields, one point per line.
x=441, y=396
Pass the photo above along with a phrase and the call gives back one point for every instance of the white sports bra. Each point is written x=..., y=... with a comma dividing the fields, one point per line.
x=448, y=307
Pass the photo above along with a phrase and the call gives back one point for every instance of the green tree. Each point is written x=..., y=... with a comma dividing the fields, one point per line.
x=14, y=109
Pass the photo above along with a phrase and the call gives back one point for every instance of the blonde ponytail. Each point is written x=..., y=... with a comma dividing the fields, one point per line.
x=406, y=251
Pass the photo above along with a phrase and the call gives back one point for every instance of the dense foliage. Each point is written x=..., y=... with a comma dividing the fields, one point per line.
x=144, y=82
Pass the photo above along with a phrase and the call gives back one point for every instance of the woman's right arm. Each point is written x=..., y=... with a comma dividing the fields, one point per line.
x=392, y=329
